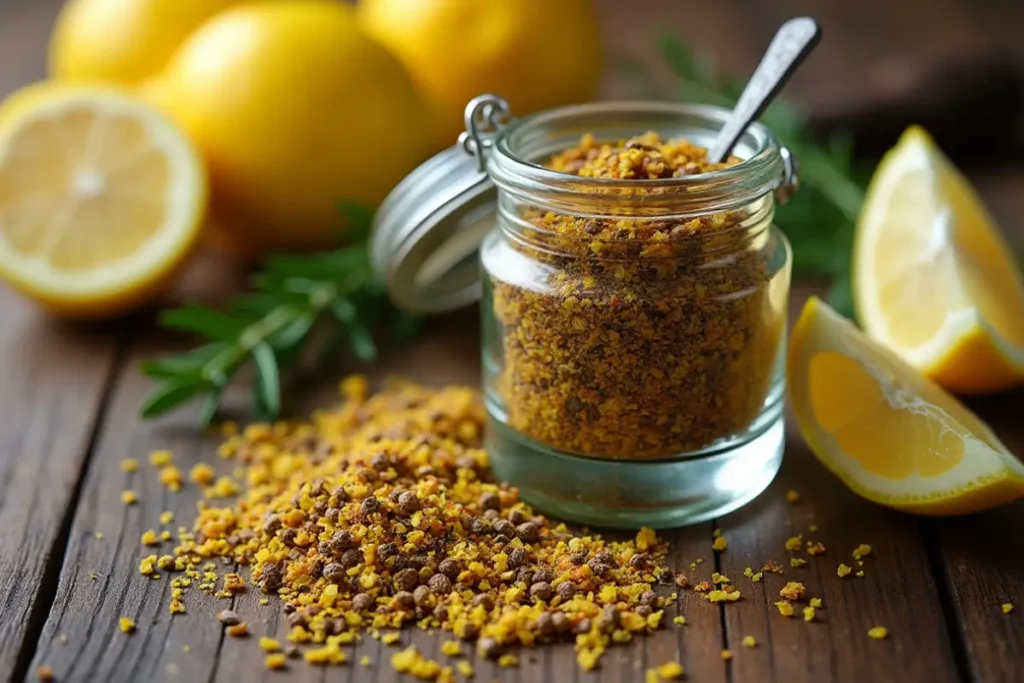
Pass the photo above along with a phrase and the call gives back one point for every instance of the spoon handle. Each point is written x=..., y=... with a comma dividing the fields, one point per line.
x=791, y=44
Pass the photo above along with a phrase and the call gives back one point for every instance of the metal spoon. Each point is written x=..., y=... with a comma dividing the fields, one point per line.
x=788, y=48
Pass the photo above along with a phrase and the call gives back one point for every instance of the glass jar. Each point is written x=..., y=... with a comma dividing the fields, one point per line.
x=633, y=330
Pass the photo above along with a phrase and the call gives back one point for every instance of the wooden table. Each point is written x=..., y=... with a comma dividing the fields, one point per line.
x=69, y=396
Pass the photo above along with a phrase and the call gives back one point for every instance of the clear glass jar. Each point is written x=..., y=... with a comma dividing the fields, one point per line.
x=634, y=381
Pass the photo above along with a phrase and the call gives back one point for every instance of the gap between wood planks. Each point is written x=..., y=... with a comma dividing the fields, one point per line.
x=47, y=590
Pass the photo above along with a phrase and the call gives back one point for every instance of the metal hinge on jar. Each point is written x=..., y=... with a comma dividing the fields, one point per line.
x=485, y=115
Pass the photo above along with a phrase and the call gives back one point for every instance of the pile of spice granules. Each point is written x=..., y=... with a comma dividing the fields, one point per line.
x=637, y=336
x=382, y=513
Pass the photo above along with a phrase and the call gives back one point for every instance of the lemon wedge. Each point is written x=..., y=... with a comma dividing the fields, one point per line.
x=933, y=278
x=892, y=435
x=101, y=198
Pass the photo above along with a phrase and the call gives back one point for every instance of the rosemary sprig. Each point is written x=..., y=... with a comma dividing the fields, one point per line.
x=819, y=219
x=272, y=328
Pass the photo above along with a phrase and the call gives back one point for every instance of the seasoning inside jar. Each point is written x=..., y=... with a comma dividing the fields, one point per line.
x=635, y=334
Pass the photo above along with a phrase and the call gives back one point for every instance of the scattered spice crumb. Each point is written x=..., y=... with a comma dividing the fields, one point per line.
x=127, y=625
x=98, y=535
x=843, y=571
x=670, y=671
x=451, y=648
x=719, y=578
x=465, y=668
x=276, y=661
x=364, y=661
x=773, y=567
x=812, y=528
x=861, y=551
x=748, y=641
x=186, y=648
x=679, y=621
x=269, y=644
x=816, y=603
x=785, y=608
x=808, y=614
x=860, y=574
x=794, y=543
x=815, y=548
x=726, y=655
x=1007, y=607
x=507, y=661
x=160, y=458
x=44, y=673
x=719, y=544
x=797, y=562
x=149, y=537
x=793, y=590
x=239, y=630
x=129, y=465
x=166, y=517
x=792, y=496
x=93, y=576
x=170, y=476
x=202, y=474
x=878, y=632
x=390, y=638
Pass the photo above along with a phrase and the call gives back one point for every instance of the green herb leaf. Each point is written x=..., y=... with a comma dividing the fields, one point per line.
x=169, y=396
x=272, y=326
x=202, y=321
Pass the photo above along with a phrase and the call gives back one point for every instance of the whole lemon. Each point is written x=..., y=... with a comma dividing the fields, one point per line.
x=296, y=109
x=123, y=41
x=535, y=53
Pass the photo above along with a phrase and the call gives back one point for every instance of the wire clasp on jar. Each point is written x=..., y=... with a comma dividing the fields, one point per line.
x=484, y=117
x=790, y=181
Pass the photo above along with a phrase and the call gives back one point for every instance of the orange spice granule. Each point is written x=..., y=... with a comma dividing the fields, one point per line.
x=878, y=632
x=793, y=590
x=44, y=673
x=239, y=630
x=792, y=496
x=815, y=548
x=773, y=567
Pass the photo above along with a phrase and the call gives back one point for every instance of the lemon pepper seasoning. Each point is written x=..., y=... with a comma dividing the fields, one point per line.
x=648, y=337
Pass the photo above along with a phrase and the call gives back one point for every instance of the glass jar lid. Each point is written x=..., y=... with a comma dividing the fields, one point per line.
x=428, y=231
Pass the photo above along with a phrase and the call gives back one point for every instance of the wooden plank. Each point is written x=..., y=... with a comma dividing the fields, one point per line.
x=980, y=557
x=100, y=582
x=897, y=591
x=52, y=387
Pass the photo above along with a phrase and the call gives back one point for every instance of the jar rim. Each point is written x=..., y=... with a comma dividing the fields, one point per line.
x=514, y=164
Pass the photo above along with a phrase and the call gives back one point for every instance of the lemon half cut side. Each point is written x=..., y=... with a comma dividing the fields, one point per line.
x=101, y=198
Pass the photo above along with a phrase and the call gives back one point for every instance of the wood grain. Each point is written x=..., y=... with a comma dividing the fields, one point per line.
x=52, y=385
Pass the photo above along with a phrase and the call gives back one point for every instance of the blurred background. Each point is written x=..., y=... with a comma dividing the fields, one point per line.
x=949, y=64
x=284, y=137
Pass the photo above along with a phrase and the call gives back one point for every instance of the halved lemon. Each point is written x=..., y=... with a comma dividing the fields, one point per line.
x=934, y=279
x=892, y=435
x=101, y=198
